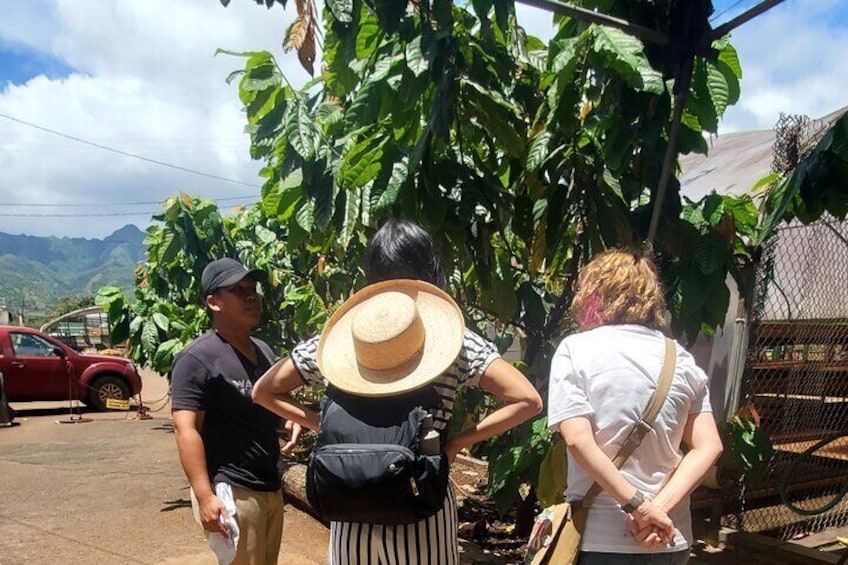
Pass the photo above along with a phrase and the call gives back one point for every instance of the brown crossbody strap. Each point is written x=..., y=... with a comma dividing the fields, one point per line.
x=646, y=423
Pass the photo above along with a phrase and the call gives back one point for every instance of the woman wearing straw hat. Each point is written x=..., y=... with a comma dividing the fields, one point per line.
x=392, y=338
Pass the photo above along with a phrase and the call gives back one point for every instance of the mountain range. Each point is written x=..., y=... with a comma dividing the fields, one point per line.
x=41, y=270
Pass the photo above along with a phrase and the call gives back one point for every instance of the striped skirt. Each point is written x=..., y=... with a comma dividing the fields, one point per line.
x=429, y=542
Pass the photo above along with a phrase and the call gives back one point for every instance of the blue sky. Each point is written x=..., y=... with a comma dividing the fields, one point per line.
x=140, y=76
x=18, y=64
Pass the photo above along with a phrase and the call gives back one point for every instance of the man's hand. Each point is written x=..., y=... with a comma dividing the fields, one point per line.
x=293, y=430
x=213, y=515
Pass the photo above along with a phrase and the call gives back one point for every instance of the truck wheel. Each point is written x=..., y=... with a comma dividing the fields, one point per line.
x=105, y=388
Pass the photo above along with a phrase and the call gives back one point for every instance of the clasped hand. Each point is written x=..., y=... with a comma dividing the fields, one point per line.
x=650, y=526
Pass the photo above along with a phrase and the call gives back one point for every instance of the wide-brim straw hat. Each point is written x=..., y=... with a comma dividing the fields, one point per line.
x=390, y=338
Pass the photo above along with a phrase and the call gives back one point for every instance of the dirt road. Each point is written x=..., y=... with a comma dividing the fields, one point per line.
x=109, y=491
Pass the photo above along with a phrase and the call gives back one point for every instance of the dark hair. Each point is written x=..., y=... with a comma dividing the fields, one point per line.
x=402, y=250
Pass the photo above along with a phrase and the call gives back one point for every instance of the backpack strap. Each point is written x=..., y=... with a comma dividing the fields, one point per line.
x=644, y=424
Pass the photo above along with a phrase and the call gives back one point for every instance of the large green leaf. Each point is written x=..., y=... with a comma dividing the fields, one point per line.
x=566, y=56
x=342, y=10
x=366, y=104
x=161, y=321
x=718, y=88
x=500, y=296
x=329, y=113
x=552, y=475
x=362, y=163
x=350, y=222
x=538, y=151
x=415, y=58
x=728, y=56
x=652, y=79
x=700, y=102
x=384, y=200
x=498, y=115
x=149, y=337
x=301, y=131
x=710, y=252
x=170, y=246
x=305, y=216
x=368, y=37
x=324, y=192
x=622, y=52
x=282, y=201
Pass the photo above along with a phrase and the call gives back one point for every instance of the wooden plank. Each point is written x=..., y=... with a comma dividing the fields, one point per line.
x=803, y=331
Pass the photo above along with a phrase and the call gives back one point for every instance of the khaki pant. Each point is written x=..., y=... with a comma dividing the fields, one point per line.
x=260, y=520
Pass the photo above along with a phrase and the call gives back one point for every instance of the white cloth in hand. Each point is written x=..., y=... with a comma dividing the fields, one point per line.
x=224, y=546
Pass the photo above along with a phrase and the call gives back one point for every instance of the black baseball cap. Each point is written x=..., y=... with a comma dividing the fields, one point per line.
x=226, y=272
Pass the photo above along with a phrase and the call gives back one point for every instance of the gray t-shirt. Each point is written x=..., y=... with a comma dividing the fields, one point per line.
x=608, y=375
x=240, y=437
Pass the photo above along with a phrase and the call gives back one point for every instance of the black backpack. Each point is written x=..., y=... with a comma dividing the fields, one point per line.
x=367, y=464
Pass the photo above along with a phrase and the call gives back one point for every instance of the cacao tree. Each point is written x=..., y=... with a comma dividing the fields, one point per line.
x=523, y=158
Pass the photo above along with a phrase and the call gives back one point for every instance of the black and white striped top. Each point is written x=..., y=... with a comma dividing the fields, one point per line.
x=474, y=358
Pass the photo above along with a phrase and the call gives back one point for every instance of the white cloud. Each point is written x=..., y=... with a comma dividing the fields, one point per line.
x=792, y=61
x=146, y=82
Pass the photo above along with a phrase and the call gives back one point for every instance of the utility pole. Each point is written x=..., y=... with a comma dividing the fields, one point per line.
x=23, y=308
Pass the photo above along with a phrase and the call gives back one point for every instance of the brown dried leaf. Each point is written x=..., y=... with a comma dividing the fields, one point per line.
x=296, y=34
x=306, y=52
x=727, y=228
x=749, y=412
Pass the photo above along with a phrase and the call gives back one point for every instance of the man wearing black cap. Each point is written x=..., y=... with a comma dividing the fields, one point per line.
x=228, y=445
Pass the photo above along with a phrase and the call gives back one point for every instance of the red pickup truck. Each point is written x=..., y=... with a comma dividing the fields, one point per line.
x=36, y=366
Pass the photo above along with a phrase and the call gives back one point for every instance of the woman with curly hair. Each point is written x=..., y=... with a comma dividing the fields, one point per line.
x=601, y=380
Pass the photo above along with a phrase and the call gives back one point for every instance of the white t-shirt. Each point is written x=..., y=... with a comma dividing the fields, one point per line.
x=608, y=374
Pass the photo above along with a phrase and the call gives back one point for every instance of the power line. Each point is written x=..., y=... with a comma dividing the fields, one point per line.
x=101, y=204
x=126, y=153
x=99, y=214
x=723, y=12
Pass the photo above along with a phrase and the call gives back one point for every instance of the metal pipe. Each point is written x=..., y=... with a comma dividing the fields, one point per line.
x=682, y=87
x=744, y=17
x=641, y=32
x=736, y=364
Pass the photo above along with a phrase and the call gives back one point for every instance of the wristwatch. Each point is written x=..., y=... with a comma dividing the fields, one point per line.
x=634, y=503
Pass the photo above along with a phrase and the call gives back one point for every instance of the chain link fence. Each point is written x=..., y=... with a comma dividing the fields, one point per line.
x=796, y=375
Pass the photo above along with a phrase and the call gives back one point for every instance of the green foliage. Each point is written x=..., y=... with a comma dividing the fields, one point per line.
x=509, y=468
x=522, y=159
x=816, y=186
x=746, y=447
x=41, y=271
x=168, y=311
x=65, y=305
x=714, y=242
x=552, y=474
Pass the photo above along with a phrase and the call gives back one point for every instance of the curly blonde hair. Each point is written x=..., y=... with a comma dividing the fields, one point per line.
x=619, y=287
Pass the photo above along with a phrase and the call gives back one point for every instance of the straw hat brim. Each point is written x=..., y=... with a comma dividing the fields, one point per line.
x=444, y=329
